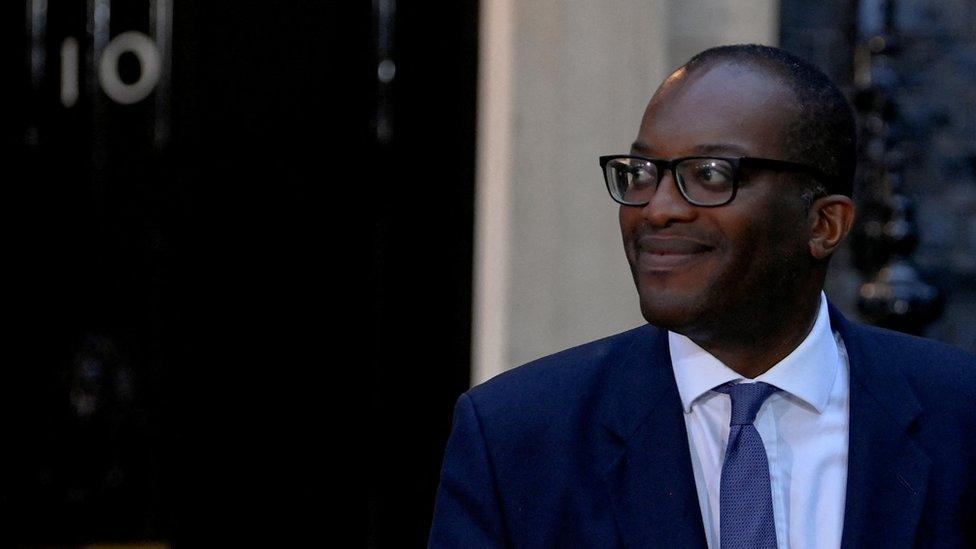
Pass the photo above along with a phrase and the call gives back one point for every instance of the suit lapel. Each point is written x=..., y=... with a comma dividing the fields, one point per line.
x=887, y=473
x=648, y=464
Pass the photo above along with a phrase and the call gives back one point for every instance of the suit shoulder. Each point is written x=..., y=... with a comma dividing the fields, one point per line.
x=931, y=366
x=552, y=381
x=918, y=350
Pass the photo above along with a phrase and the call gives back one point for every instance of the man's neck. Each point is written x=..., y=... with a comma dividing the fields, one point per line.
x=751, y=353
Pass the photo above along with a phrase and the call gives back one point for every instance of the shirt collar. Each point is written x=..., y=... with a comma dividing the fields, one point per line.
x=807, y=373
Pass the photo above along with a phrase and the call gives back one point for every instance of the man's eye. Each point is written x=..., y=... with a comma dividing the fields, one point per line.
x=712, y=174
x=640, y=176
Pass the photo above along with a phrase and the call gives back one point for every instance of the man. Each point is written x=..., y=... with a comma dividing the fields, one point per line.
x=748, y=412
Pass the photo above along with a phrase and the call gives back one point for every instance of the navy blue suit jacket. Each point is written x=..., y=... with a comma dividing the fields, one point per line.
x=587, y=448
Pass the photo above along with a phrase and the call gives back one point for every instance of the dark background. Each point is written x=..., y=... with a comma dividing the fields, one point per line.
x=172, y=350
x=192, y=320
x=422, y=264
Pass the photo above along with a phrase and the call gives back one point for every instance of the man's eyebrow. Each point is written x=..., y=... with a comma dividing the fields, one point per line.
x=720, y=148
x=706, y=148
x=640, y=147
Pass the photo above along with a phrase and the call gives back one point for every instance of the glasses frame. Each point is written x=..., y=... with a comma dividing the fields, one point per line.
x=735, y=161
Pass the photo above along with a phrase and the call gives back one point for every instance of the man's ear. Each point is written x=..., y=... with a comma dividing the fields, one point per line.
x=831, y=218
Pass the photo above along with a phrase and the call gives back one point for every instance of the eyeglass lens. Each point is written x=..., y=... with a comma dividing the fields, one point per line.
x=703, y=181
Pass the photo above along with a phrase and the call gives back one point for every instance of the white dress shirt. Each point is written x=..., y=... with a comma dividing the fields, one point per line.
x=804, y=428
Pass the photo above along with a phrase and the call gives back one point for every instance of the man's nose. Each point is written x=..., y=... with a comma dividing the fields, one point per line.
x=668, y=205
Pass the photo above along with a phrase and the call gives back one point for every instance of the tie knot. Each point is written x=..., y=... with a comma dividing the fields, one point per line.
x=747, y=398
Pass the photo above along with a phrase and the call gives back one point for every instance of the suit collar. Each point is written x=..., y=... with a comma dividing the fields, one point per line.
x=871, y=370
x=641, y=378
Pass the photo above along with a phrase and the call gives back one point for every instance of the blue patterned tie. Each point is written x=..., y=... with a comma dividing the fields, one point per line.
x=746, y=512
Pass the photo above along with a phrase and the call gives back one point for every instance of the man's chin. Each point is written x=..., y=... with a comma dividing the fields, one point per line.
x=675, y=313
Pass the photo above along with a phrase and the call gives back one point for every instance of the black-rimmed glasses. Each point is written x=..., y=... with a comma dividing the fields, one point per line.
x=703, y=180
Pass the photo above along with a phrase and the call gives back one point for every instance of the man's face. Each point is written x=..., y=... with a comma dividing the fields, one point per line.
x=712, y=271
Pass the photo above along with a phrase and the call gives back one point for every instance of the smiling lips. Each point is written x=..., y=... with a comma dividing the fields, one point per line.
x=655, y=253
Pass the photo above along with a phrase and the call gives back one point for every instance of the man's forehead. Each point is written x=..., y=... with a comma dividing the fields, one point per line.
x=723, y=74
x=725, y=85
x=723, y=108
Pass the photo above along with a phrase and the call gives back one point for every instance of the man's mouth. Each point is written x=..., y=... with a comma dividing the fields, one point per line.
x=656, y=253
